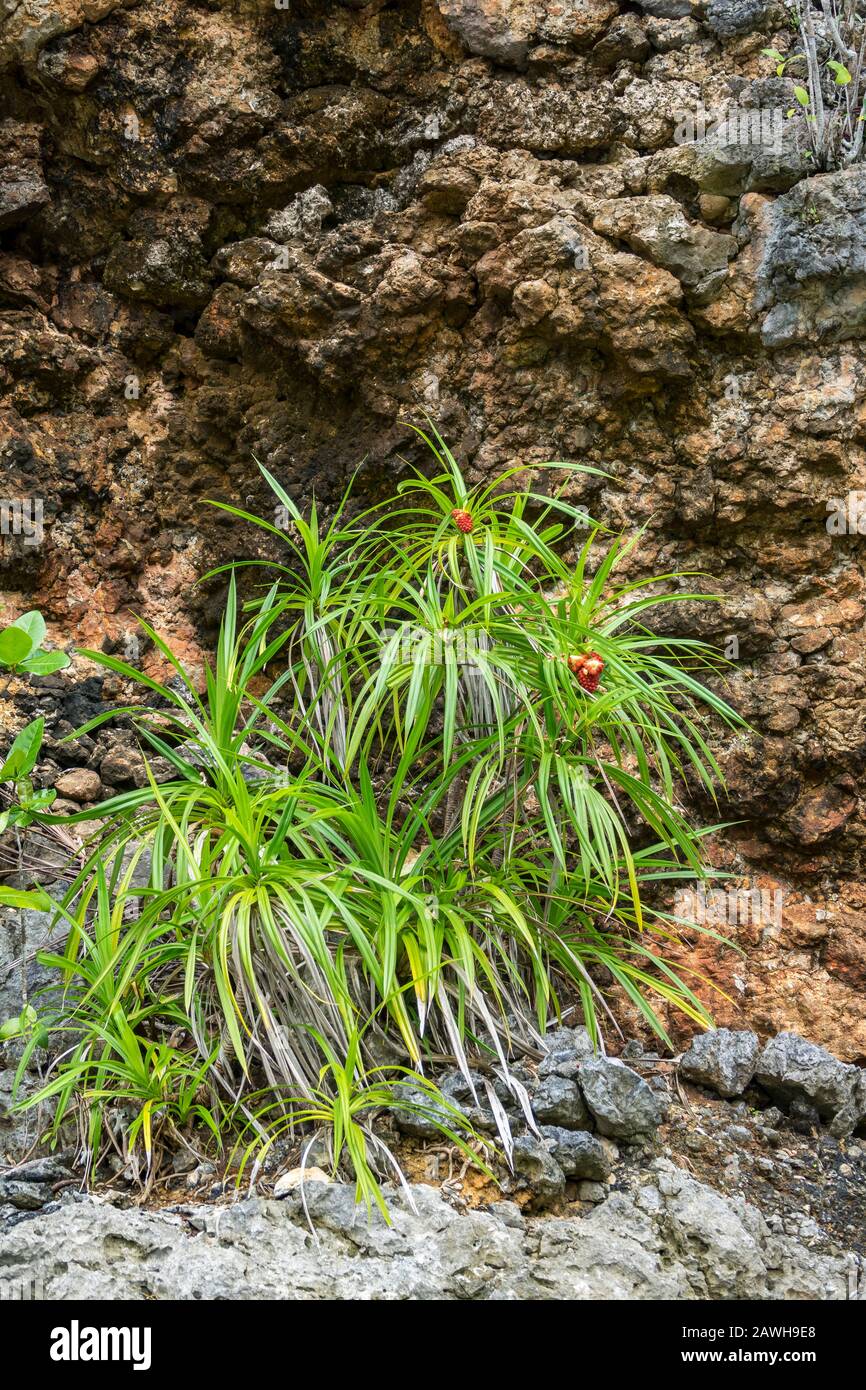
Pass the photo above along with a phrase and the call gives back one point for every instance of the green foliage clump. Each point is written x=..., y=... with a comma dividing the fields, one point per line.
x=399, y=829
x=22, y=652
x=832, y=64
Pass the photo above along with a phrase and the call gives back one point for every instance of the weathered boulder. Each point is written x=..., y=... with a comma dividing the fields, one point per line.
x=23, y=190
x=79, y=784
x=748, y=150
x=791, y=1068
x=579, y=1155
x=497, y=29
x=812, y=277
x=656, y=227
x=504, y=30
x=668, y=9
x=623, y=1105
x=722, y=1059
x=557, y=1101
x=24, y=1196
x=625, y=40
x=727, y=18
x=536, y=1168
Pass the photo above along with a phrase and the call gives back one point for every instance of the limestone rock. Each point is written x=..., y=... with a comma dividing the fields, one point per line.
x=657, y=228
x=297, y=1177
x=23, y=190
x=23, y=933
x=79, y=784
x=811, y=278
x=579, y=1155
x=536, y=1165
x=261, y=1250
x=558, y=1101
x=497, y=29
x=504, y=30
x=623, y=1105
x=791, y=1068
x=727, y=18
x=722, y=1059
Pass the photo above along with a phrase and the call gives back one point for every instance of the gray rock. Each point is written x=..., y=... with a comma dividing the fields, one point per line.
x=456, y=1089
x=25, y=1196
x=569, y=1040
x=49, y=1168
x=723, y=1059
x=739, y=1134
x=591, y=1191
x=656, y=227
x=623, y=1105
x=579, y=1155
x=302, y=219
x=564, y=1062
x=491, y=29
x=790, y=1068
x=727, y=18
x=668, y=9
x=672, y=1239
x=534, y=1163
x=418, y=1124
x=557, y=1101
x=852, y=1113
x=810, y=279
x=508, y=1212
x=23, y=190
x=732, y=162
x=23, y=980
x=23, y=933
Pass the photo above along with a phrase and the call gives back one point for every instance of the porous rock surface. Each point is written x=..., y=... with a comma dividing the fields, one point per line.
x=233, y=229
x=671, y=1238
x=791, y=1068
x=723, y=1059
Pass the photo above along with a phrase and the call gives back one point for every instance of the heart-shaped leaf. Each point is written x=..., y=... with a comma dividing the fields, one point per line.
x=33, y=624
x=15, y=645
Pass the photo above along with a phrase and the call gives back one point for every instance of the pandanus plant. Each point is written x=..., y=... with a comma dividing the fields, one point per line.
x=415, y=809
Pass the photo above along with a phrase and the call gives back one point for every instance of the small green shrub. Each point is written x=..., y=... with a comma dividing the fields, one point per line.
x=432, y=773
x=22, y=653
x=831, y=61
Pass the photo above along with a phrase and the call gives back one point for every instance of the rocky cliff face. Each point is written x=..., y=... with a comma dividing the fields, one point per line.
x=247, y=229
x=672, y=1238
